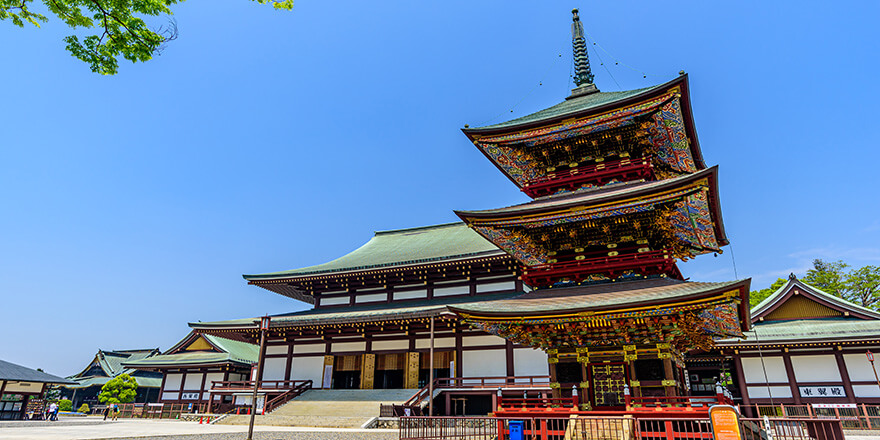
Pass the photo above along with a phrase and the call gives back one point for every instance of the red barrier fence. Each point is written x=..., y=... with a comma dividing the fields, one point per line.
x=860, y=416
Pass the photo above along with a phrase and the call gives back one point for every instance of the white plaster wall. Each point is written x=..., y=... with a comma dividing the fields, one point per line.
x=276, y=349
x=337, y=347
x=477, y=363
x=477, y=341
x=310, y=348
x=170, y=396
x=866, y=390
x=392, y=345
x=193, y=381
x=23, y=387
x=305, y=368
x=335, y=301
x=495, y=287
x=212, y=377
x=438, y=343
x=530, y=362
x=172, y=381
x=815, y=368
x=375, y=297
x=754, y=371
x=457, y=290
x=858, y=367
x=412, y=294
x=273, y=368
x=762, y=392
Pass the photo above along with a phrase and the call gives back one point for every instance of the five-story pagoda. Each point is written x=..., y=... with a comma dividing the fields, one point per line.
x=621, y=194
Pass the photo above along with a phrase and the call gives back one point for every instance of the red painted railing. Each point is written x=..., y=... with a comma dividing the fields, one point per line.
x=487, y=382
x=288, y=396
x=238, y=385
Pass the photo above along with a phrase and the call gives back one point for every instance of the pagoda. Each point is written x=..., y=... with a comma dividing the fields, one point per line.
x=621, y=194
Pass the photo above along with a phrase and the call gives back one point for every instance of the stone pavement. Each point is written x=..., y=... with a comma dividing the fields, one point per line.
x=172, y=429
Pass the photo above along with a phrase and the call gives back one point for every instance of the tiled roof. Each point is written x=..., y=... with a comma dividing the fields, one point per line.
x=571, y=107
x=592, y=196
x=809, y=330
x=365, y=313
x=810, y=290
x=230, y=352
x=15, y=372
x=598, y=296
x=401, y=248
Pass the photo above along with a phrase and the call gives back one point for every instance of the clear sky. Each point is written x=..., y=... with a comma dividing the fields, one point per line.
x=264, y=140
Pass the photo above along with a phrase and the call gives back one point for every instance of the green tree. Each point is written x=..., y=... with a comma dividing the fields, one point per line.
x=84, y=409
x=756, y=296
x=862, y=286
x=120, y=389
x=826, y=276
x=118, y=25
x=65, y=405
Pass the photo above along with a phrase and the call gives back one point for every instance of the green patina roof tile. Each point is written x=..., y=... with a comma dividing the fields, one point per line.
x=399, y=248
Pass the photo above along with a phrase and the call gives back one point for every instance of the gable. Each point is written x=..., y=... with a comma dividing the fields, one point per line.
x=801, y=307
x=199, y=344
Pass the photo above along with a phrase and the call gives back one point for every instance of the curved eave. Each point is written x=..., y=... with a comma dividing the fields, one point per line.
x=681, y=81
x=742, y=286
x=166, y=366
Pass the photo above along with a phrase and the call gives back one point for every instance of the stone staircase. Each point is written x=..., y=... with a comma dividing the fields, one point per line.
x=327, y=408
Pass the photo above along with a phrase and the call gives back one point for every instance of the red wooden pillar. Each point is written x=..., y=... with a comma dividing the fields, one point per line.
x=792, y=380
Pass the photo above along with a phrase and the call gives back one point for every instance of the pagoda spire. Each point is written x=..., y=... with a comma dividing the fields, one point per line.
x=582, y=73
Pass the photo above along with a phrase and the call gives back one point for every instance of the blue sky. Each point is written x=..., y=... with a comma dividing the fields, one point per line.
x=263, y=140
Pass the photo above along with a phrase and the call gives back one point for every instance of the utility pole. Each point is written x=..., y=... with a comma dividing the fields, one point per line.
x=431, y=373
x=264, y=327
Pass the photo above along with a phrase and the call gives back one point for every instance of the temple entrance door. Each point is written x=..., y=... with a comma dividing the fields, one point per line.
x=390, y=371
x=442, y=365
x=607, y=380
x=347, y=372
x=569, y=374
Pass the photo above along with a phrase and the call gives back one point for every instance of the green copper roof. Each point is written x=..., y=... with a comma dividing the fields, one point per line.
x=229, y=352
x=401, y=248
x=365, y=313
x=143, y=382
x=808, y=289
x=809, y=330
x=598, y=296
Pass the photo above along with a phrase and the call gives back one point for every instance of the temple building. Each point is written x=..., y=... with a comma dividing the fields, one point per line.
x=575, y=293
x=805, y=347
x=22, y=391
x=196, y=364
x=105, y=366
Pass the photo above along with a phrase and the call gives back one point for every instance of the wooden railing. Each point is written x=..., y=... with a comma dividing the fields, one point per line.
x=288, y=395
x=854, y=416
x=686, y=403
x=486, y=382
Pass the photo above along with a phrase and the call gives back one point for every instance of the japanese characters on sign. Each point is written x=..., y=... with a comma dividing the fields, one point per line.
x=725, y=422
x=823, y=391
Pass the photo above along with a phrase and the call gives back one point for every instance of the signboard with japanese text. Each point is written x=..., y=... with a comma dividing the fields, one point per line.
x=725, y=422
x=833, y=405
x=823, y=391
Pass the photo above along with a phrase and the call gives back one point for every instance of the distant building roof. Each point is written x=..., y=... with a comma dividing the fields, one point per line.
x=201, y=349
x=18, y=373
x=109, y=364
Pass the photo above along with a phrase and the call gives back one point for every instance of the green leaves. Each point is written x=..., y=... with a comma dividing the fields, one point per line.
x=120, y=389
x=120, y=29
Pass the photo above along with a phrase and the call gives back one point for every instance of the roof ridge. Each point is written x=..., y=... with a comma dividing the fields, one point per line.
x=417, y=228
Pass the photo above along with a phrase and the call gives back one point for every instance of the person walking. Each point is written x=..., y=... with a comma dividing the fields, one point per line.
x=53, y=412
x=115, y=411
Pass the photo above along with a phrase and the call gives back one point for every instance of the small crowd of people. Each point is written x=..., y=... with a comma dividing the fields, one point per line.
x=111, y=411
x=52, y=412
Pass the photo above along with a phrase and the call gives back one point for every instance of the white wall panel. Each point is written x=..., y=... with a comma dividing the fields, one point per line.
x=172, y=381
x=815, y=368
x=858, y=367
x=273, y=368
x=412, y=294
x=335, y=301
x=477, y=341
x=530, y=362
x=337, y=347
x=170, y=396
x=866, y=390
x=754, y=370
x=438, y=343
x=762, y=392
x=23, y=387
x=457, y=290
x=495, y=287
x=375, y=297
x=212, y=377
x=477, y=363
x=193, y=381
x=309, y=348
x=305, y=368
x=276, y=349
x=392, y=345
